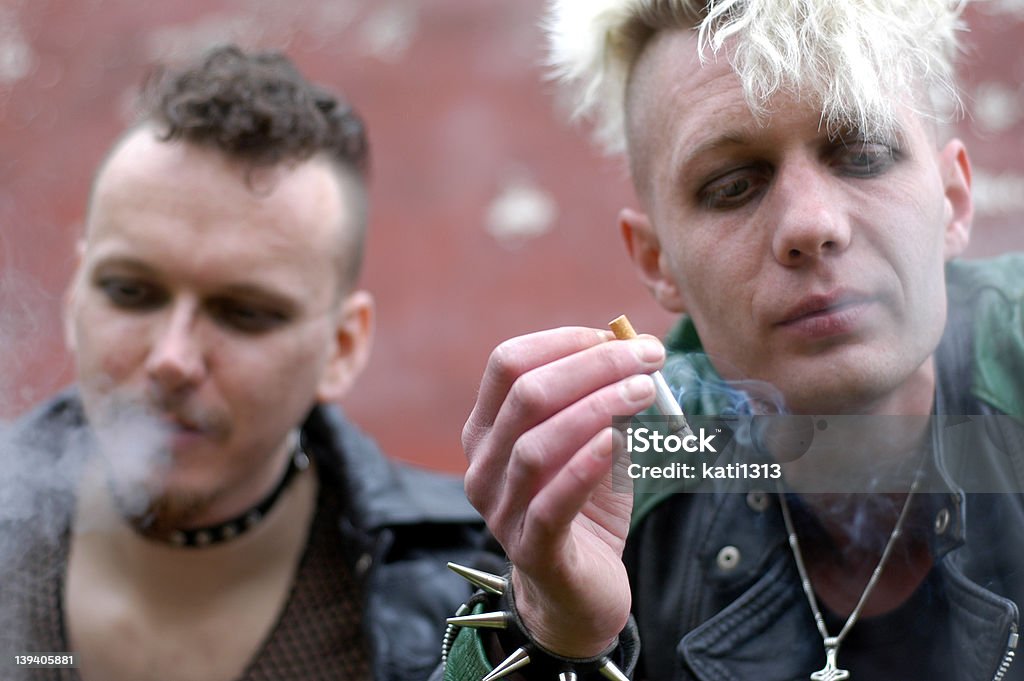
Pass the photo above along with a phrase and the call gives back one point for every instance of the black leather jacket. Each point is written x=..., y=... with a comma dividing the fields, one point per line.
x=407, y=523
x=703, y=618
x=398, y=526
x=747, y=617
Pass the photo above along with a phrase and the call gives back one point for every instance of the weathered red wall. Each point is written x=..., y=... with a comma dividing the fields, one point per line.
x=459, y=116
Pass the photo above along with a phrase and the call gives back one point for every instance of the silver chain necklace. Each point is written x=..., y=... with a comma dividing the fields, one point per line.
x=831, y=672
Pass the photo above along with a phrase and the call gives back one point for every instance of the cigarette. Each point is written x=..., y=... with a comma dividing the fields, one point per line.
x=665, y=402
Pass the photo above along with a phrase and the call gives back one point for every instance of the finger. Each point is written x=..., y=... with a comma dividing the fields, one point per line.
x=516, y=357
x=503, y=494
x=548, y=390
x=544, y=450
x=553, y=387
x=551, y=513
x=507, y=363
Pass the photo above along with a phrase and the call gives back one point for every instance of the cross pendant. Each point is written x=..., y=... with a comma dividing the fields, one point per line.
x=830, y=672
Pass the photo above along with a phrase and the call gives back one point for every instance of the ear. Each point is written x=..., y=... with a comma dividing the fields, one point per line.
x=650, y=262
x=350, y=346
x=70, y=298
x=955, y=167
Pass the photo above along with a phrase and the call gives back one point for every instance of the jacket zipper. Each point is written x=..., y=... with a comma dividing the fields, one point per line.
x=1011, y=650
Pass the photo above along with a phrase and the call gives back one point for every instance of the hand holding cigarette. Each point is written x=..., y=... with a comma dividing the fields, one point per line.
x=540, y=444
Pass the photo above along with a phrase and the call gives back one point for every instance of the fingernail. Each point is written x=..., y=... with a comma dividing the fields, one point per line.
x=648, y=350
x=637, y=388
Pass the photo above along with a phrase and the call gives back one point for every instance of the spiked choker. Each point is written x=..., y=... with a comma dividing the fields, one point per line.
x=229, y=529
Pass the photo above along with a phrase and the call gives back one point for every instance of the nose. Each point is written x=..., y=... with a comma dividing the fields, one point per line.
x=811, y=220
x=176, y=360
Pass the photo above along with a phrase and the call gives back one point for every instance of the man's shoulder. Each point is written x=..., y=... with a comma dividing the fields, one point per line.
x=993, y=293
x=381, y=490
x=1001, y=277
x=62, y=410
x=41, y=457
x=47, y=429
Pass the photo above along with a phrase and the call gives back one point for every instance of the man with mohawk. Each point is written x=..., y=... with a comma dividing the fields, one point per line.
x=196, y=508
x=802, y=211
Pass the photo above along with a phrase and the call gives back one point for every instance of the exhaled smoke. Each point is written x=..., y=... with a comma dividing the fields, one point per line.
x=44, y=459
x=135, y=456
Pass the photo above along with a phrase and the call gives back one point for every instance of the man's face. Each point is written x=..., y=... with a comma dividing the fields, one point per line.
x=810, y=261
x=208, y=308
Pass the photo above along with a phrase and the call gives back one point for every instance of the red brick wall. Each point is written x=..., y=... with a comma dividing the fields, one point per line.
x=459, y=117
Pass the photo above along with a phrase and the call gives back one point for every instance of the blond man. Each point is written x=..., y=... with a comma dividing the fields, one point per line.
x=802, y=210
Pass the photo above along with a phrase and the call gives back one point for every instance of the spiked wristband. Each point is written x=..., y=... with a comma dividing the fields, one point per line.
x=496, y=598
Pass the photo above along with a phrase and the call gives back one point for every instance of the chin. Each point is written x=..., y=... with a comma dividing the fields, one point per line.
x=162, y=504
x=848, y=380
x=832, y=390
x=178, y=509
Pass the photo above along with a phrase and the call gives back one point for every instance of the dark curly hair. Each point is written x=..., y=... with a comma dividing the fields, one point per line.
x=257, y=108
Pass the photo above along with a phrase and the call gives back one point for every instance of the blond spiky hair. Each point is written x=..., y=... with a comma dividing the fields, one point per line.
x=856, y=58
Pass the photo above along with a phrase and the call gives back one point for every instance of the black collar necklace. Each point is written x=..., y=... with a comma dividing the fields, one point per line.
x=229, y=529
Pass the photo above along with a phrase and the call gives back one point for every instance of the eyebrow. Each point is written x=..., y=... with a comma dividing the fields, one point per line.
x=738, y=139
x=124, y=261
x=728, y=140
x=255, y=291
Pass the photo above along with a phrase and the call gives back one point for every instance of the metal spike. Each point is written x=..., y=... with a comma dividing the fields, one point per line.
x=611, y=672
x=567, y=676
x=487, y=620
x=517, y=660
x=485, y=580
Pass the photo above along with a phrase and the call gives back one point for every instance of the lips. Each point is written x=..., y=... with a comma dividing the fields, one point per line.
x=189, y=423
x=186, y=435
x=184, y=425
x=820, y=304
x=195, y=422
x=821, y=315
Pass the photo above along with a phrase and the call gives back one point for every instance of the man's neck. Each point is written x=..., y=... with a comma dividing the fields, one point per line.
x=151, y=565
x=189, y=612
x=855, y=478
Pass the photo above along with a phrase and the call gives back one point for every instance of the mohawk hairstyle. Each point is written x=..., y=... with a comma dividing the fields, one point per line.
x=854, y=58
x=257, y=108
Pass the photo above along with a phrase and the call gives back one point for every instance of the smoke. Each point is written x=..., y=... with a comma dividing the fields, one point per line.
x=44, y=455
x=135, y=446
x=697, y=393
x=30, y=332
x=44, y=459
x=820, y=454
x=36, y=503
